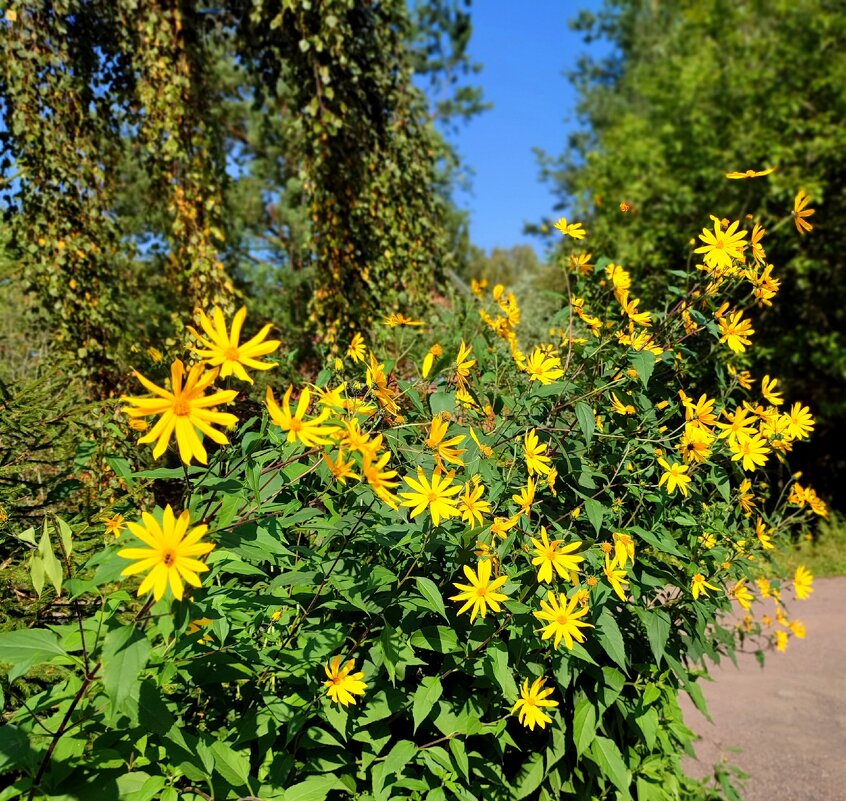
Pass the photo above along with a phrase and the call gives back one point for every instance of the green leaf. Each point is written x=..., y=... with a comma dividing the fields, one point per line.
x=584, y=725
x=233, y=766
x=595, y=511
x=658, y=625
x=610, y=761
x=14, y=748
x=498, y=660
x=643, y=363
x=66, y=536
x=530, y=776
x=426, y=696
x=647, y=722
x=27, y=536
x=459, y=754
x=442, y=402
x=315, y=788
x=429, y=590
x=586, y=420
x=27, y=647
x=611, y=638
x=398, y=757
x=125, y=654
x=436, y=638
x=51, y=566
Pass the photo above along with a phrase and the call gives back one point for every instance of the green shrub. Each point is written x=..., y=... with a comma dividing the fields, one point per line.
x=474, y=567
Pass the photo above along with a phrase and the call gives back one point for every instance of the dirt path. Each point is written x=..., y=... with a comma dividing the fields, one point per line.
x=788, y=719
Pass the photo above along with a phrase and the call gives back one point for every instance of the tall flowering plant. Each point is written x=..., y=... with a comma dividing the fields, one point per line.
x=461, y=565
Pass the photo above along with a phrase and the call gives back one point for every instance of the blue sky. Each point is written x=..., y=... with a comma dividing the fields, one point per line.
x=525, y=49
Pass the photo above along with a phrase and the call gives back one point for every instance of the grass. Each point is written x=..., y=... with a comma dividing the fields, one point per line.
x=824, y=552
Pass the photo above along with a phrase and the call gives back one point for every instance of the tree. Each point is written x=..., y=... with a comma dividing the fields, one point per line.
x=693, y=90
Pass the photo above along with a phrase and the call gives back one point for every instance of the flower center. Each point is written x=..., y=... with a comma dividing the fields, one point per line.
x=481, y=592
x=231, y=354
x=181, y=407
x=296, y=425
x=169, y=557
x=562, y=620
x=432, y=497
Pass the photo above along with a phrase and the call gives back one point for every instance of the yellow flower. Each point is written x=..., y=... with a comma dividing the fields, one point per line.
x=530, y=705
x=722, y=246
x=750, y=173
x=309, y=432
x=445, y=449
x=393, y=320
x=616, y=576
x=750, y=451
x=618, y=276
x=381, y=481
x=695, y=444
x=534, y=452
x=630, y=308
x=619, y=407
x=801, y=423
x=525, y=497
x=222, y=350
x=743, y=595
x=542, y=367
x=481, y=592
x=768, y=390
x=624, y=548
x=745, y=497
x=341, y=683
x=573, y=230
x=183, y=411
x=341, y=468
x=800, y=212
x=699, y=586
x=764, y=587
x=798, y=629
x=554, y=555
x=563, y=619
x=472, y=506
x=435, y=495
x=114, y=525
x=429, y=359
x=781, y=640
x=764, y=537
x=551, y=477
x=735, y=331
x=169, y=555
x=700, y=413
x=485, y=450
x=580, y=263
x=463, y=362
x=502, y=525
x=674, y=476
x=803, y=582
x=357, y=349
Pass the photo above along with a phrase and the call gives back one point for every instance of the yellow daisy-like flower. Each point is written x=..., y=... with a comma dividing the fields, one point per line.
x=801, y=211
x=751, y=452
x=525, y=498
x=700, y=586
x=472, y=506
x=722, y=246
x=803, y=582
x=742, y=594
x=750, y=173
x=619, y=407
x=768, y=390
x=381, y=481
x=674, y=476
x=616, y=576
x=340, y=468
x=341, y=683
x=502, y=525
x=530, y=705
x=534, y=452
x=170, y=555
x=563, y=619
x=183, y=411
x=801, y=423
x=463, y=362
x=573, y=230
x=394, y=320
x=436, y=351
x=543, y=367
x=555, y=556
x=624, y=549
x=695, y=444
x=114, y=525
x=357, y=349
x=481, y=592
x=435, y=495
x=310, y=433
x=222, y=350
x=445, y=448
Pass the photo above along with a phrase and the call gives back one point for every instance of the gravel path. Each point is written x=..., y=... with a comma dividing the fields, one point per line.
x=784, y=724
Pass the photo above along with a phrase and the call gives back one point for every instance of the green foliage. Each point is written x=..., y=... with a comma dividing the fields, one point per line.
x=823, y=551
x=692, y=90
x=224, y=695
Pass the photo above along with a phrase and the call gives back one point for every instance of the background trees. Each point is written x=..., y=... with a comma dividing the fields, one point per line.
x=691, y=91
